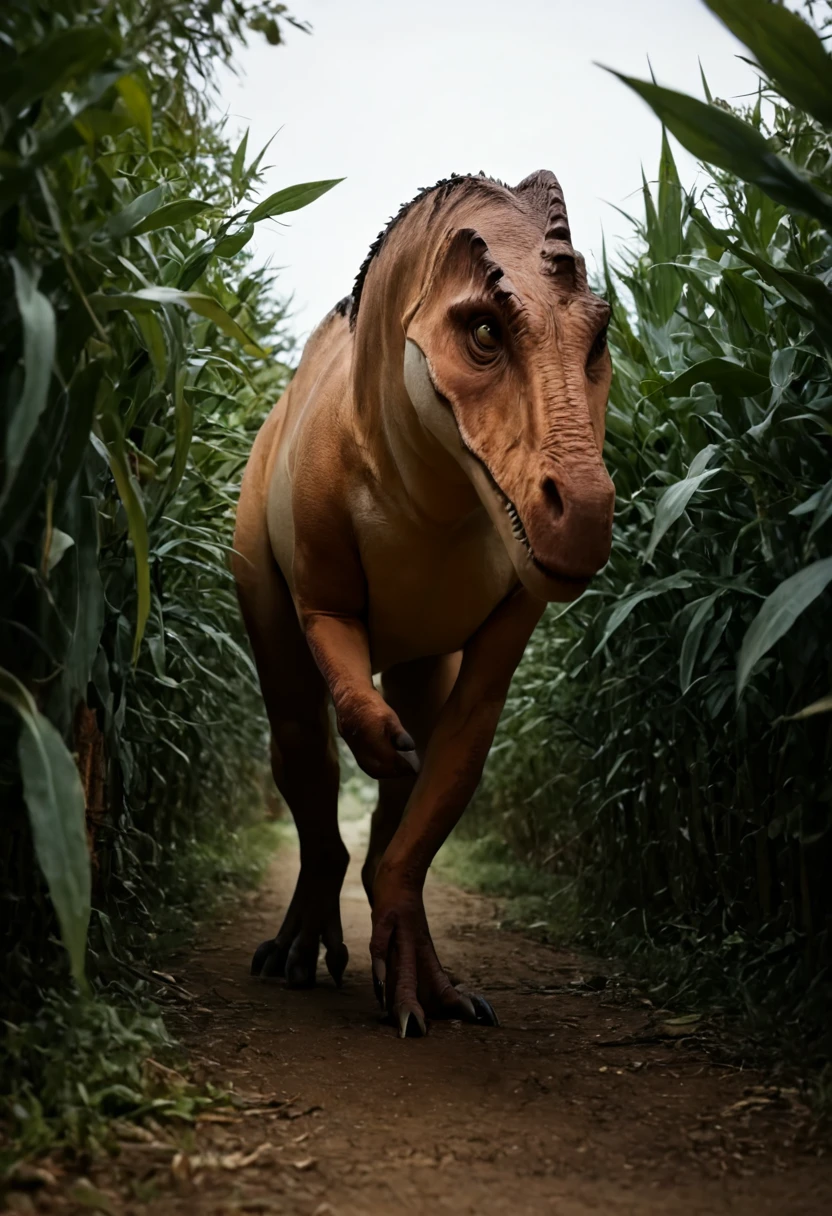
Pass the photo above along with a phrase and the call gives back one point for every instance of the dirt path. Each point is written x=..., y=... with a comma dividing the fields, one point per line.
x=566, y=1108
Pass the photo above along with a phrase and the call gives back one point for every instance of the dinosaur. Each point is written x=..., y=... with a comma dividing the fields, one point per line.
x=431, y=478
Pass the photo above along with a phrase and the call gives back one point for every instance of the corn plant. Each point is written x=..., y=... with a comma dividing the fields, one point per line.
x=669, y=735
x=140, y=349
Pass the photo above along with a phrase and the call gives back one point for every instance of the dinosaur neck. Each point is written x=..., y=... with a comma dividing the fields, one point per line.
x=409, y=462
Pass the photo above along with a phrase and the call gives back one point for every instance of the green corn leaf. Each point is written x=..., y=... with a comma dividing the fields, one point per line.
x=619, y=614
x=57, y=813
x=292, y=198
x=229, y=245
x=154, y=340
x=672, y=504
x=786, y=48
x=723, y=375
x=149, y=297
x=38, y=320
x=184, y=421
x=778, y=613
x=822, y=706
x=131, y=498
x=65, y=56
x=720, y=138
x=813, y=501
x=782, y=370
x=170, y=214
x=125, y=221
x=238, y=163
x=95, y=124
x=692, y=638
x=806, y=292
x=137, y=103
x=59, y=544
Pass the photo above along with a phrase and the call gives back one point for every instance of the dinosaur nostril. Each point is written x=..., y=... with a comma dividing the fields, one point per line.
x=552, y=495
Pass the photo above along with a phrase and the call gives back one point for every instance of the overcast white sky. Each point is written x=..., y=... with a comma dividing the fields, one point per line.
x=393, y=96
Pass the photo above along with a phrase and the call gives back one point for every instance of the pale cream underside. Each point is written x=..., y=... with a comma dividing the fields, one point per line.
x=430, y=586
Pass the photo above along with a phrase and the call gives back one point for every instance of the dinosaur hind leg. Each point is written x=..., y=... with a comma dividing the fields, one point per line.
x=305, y=767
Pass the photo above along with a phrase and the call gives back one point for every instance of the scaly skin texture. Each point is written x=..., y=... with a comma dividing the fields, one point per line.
x=430, y=479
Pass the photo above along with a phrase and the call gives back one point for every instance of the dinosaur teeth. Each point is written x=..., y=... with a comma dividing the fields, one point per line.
x=517, y=529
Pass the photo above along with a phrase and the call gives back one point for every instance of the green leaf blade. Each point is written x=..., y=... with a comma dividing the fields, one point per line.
x=720, y=138
x=57, y=813
x=39, y=340
x=292, y=198
x=786, y=47
x=778, y=613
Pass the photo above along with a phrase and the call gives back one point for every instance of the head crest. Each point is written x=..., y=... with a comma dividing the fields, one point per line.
x=545, y=190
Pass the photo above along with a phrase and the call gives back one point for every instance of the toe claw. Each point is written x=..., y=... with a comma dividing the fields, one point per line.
x=484, y=1012
x=468, y=1005
x=301, y=965
x=269, y=960
x=260, y=955
x=379, y=978
x=336, y=962
x=274, y=966
x=411, y=1024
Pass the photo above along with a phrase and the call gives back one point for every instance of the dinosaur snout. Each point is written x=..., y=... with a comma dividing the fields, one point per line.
x=570, y=523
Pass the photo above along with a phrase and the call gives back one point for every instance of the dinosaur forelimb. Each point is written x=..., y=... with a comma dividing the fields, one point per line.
x=369, y=727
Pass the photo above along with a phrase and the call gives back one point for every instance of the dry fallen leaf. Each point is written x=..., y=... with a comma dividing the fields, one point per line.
x=89, y=1196
x=185, y=1165
x=23, y=1174
x=307, y=1163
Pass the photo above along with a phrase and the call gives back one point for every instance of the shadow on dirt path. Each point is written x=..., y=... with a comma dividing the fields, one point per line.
x=574, y=1105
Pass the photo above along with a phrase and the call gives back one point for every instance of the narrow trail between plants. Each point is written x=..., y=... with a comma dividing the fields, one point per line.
x=586, y=1099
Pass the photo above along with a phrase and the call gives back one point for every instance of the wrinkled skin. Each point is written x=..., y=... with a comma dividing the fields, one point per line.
x=429, y=481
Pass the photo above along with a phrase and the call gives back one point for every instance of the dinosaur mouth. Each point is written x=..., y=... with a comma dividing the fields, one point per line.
x=519, y=532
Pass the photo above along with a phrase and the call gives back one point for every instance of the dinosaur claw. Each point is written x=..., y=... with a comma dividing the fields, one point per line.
x=406, y=748
x=379, y=981
x=411, y=1024
x=336, y=962
x=260, y=955
x=468, y=1005
x=301, y=966
x=269, y=960
x=484, y=1012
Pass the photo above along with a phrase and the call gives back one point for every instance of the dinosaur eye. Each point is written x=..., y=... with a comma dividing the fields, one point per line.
x=486, y=335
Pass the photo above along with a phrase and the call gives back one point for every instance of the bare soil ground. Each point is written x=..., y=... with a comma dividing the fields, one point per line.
x=585, y=1100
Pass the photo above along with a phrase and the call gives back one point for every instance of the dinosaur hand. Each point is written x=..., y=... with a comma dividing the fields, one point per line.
x=376, y=737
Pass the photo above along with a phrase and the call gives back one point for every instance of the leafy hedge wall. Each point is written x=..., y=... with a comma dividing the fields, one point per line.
x=138, y=352
x=669, y=736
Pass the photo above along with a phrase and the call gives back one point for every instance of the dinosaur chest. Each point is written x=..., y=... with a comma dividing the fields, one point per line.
x=430, y=590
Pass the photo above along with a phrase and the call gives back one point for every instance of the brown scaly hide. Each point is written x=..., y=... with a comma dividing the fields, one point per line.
x=431, y=477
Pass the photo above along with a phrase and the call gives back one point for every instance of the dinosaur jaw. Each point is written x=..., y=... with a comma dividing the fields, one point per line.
x=540, y=580
x=437, y=416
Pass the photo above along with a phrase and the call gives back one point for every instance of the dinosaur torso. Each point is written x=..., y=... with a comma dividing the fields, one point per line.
x=429, y=582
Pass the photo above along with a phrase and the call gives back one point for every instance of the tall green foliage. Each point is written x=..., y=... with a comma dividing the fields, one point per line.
x=138, y=351
x=669, y=735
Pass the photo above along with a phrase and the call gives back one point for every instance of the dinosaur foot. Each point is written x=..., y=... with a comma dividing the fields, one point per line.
x=298, y=962
x=313, y=918
x=410, y=982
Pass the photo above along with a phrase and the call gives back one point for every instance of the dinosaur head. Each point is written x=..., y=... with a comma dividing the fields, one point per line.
x=506, y=365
